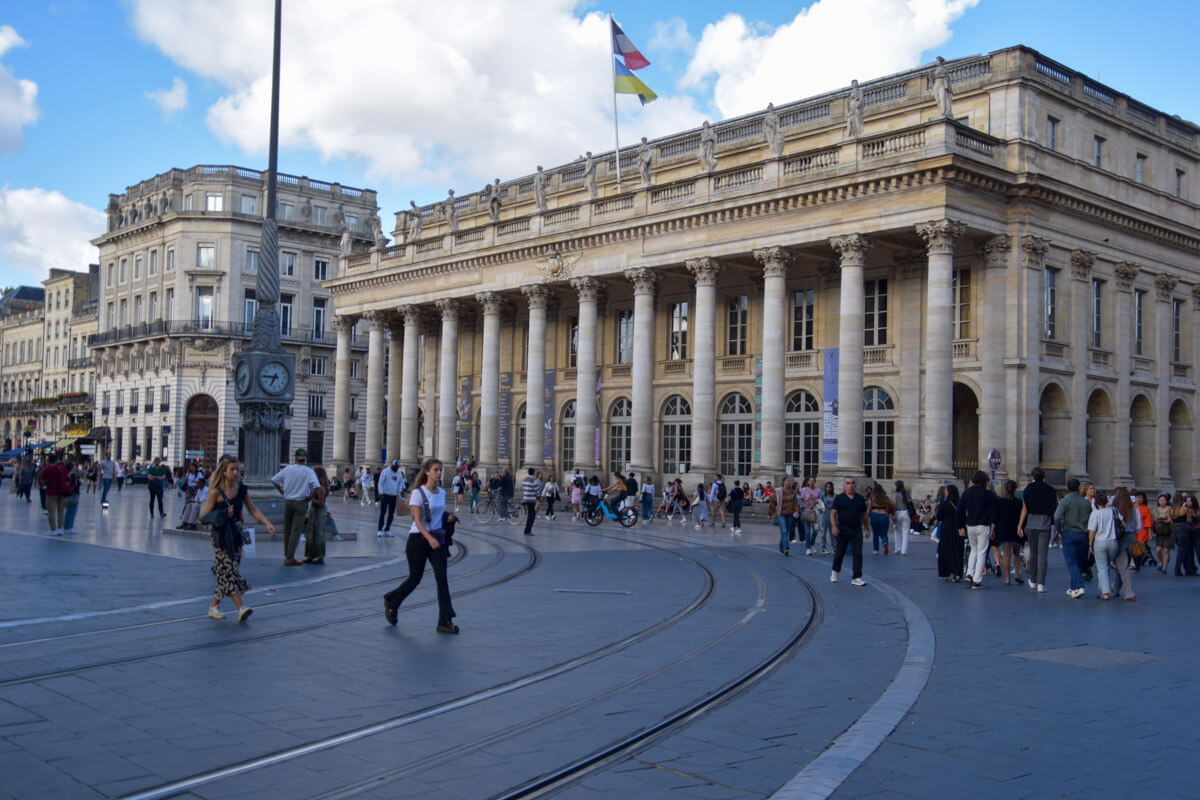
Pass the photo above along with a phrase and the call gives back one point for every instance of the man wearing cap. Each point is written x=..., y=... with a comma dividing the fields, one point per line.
x=391, y=483
x=296, y=482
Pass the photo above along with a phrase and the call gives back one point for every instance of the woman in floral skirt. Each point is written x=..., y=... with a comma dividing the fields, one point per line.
x=228, y=495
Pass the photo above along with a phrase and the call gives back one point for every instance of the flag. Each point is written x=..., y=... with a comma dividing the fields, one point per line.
x=624, y=48
x=628, y=83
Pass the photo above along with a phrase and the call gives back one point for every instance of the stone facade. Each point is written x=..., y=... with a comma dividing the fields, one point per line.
x=891, y=298
x=177, y=272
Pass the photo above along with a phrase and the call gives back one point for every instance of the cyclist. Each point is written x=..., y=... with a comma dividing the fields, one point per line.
x=619, y=491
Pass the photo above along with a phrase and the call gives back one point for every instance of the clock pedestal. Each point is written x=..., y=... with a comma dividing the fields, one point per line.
x=264, y=382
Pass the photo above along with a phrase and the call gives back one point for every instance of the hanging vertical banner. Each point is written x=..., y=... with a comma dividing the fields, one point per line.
x=829, y=416
x=598, y=409
x=464, y=416
x=548, y=423
x=504, y=415
x=757, y=409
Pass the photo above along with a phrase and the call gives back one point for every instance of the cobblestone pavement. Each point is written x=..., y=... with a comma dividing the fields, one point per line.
x=658, y=662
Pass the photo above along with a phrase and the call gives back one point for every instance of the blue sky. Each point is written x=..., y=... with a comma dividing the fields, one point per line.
x=411, y=106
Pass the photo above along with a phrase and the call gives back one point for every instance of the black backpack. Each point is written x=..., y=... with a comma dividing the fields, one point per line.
x=721, y=490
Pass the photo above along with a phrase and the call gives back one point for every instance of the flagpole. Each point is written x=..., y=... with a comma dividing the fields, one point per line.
x=612, y=60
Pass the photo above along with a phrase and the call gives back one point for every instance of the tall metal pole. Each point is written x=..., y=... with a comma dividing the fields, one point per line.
x=612, y=60
x=273, y=157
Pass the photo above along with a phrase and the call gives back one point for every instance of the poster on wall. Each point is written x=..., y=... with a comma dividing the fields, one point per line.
x=464, y=416
x=504, y=415
x=598, y=418
x=548, y=420
x=829, y=415
x=758, y=378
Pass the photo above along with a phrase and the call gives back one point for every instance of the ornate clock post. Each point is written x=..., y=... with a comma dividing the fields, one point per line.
x=265, y=375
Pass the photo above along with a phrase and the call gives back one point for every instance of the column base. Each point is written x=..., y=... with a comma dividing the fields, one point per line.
x=1125, y=480
x=775, y=473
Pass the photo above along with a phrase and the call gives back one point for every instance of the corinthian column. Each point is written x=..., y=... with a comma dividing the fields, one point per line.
x=939, y=236
x=993, y=416
x=341, y=394
x=1164, y=291
x=374, y=438
x=489, y=428
x=447, y=418
x=535, y=376
x=853, y=251
x=1081, y=342
x=408, y=399
x=642, y=434
x=395, y=387
x=704, y=350
x=774, y=263
x=1126, y=274
x=585, y=376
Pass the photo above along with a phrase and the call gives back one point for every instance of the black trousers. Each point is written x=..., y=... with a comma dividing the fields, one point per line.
x=156, y=491
x=1185, y=545
x=387, y=511
x=530, y=515
x=853, y=540
x=418, y=552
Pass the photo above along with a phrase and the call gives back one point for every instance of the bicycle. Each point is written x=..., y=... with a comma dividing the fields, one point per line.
x=594, y=514
x=671, y=510
x=498, y=509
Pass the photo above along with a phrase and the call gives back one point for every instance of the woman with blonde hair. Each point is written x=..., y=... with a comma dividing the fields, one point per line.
x=227, y=496
x=882, y=510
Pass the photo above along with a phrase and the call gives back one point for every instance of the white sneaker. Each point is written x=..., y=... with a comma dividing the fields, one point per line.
x=858, y=582
x=379, y=534
x=1041, y=588
x=697, y=526
x=1032, y=586
x=833, y=577
x=808, y=552
x=215, y=613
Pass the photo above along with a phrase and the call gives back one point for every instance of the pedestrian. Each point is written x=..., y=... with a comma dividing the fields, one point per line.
x=1128, y=527
x=76, y=476
x=716, y=500
x=576, y=498
x=390, y=486
x=825, y=535
x=1005, y=532
x=458, y=484
x=1038, y=503
x=881, y=510
x=507, y=491
x=314, y=539
x=364, y=486
x=976, y=513
x=1071, y=518
x=950, y=544
x=647, y=499
x=550, y=495
x=156, y=481
x=120, y=476
x=700, y=507
x=189, y=519
x=903, y=516
x=55, y=480
x=427, y=543
x=810, y=498
x=849, y=523
x=737, y=496
x=347, y=484
x=592, y=493
x=782, y=509
x=228, y=496
x=1103, y=524
x=1181, y=533
x=375, y=484
x=529, y=498
x=92, y=476
x=1140, y=548
x=1164, y=538
x=296, y=482
x=26, y=475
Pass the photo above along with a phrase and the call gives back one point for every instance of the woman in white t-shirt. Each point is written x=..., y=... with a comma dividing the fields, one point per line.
x=364, y=486
x=550, y=494
x=426, y=542
x=647, y=489
x=1104, y=536
x=456, y=486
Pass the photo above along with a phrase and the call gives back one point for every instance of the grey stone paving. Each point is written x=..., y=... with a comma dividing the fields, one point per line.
x=1030, y=695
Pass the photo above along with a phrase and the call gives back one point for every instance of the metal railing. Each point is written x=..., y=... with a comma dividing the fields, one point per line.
x=195, y=327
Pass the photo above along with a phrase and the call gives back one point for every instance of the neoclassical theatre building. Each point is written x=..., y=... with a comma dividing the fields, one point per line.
x=890, y=281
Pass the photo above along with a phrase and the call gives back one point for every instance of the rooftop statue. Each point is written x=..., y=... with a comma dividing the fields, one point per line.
x=854, y=111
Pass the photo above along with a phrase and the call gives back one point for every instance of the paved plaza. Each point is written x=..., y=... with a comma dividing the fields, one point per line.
x=658, y=662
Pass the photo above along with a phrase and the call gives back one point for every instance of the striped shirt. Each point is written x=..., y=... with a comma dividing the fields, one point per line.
x=529, y=489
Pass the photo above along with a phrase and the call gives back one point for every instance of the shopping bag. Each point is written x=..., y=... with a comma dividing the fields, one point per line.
x=248, y=550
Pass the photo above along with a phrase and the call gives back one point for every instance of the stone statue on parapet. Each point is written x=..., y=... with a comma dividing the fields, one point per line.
x=347, y=244
x=377, y=232
x=942, y=93
x=539, y=188
x=164, y=204
x=306, y=210
x=414, y=223
x=589, y=176
x=492, y=192
x=775, y=137
x=450, y=212
x=854, y=111
x=708, y=148
x=114, y=214
x=645, y=160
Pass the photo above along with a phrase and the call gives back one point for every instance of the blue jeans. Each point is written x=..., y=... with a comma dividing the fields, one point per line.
x=879, y=530
x=786, y=526
x=647, y=506
x=1105, y=551
x=106, y=484
x=1075, y=553
x=72, y=510
x=810, y=534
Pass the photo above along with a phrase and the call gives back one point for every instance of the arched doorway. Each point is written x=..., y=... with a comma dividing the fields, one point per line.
x=676, y=436
x=1141, y=441
x=802, y=435
x=1179, y=438
x=735, y=435
x=964, y=454
x=1101, y=430
x=203, y=425
x=620, y=435
x=879, y=433
x=1054, y=433
x=519, y=455
x=566, y=437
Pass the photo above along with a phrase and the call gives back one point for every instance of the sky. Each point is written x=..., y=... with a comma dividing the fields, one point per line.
x=412, y=98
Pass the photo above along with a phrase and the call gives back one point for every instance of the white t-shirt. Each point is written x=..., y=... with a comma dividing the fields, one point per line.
x=549, y=489
x=437, y=507
x=648, y=488
x=1102, y=521
x=593, y=489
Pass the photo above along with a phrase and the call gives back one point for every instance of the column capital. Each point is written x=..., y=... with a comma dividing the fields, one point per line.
x=704, y=270
x=492, y=302
x=1081, y=264
x=450, y=308
x=852, y=249
x=997, y=250
x=376, y=319
x=1196, y=296
x=643, y=280
x=1165, y=286
x=910, y=264
x=941, y=234
x=589, y=289
x=344, y=323
x=830, y=273
x=1126, y=272
x=412, y=315
x=537, y=295
x=774, y=261
x=1034, y=249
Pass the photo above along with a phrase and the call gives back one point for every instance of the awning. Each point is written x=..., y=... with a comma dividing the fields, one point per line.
x=99, y=434
x=41, y=445
x=63, y=443
x=15, y=453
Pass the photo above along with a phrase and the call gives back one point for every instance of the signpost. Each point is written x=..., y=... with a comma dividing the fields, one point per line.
x=994, y=461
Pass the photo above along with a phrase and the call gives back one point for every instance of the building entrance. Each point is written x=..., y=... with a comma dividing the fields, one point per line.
x=203, y=425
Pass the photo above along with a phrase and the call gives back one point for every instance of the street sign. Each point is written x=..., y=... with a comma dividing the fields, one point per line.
x=87, y=449
x=190, y=454
x=994, y=459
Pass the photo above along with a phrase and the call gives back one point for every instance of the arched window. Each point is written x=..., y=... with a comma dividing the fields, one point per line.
x=802, y=434
x=519, y=455
x=620, y=434
x=676, y=436
x=566, y=446
x=879, y=434
x=736, y=437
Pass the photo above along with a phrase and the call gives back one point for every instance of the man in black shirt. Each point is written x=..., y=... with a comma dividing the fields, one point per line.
x=848, y=520
x=1039, y=500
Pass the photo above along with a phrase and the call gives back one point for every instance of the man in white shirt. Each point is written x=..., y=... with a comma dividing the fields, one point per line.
x=296, y=483
x=391, y=484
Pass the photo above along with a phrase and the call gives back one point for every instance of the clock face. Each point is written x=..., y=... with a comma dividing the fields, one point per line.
x=242, y=377
x=273, y=377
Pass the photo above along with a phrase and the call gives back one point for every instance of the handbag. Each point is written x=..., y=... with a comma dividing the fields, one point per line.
x=809, y=515
x=1138, y=549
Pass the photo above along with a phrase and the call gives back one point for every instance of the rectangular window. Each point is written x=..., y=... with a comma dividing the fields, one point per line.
x=875, y=317
x=1098, y=151
x=123, y=313
x=320, y=270
x=1051, y=280
x=187, y=202
x=137, y=268
x=354, y=368
x=316, y=405
x=351, y=222
x=170, y=259
x=153, y=262
x=252, y=261
x=802, y=319
x=104, y=404
x=108, y=281
x=206, y=256
x=214, y=202
x=625, y=336
x=249, y=309
x=133, y=401
x=676, y=447
x=572, y=351
x=169, y=305
x=286, y=210
x=318, y=319
x=678, y=333
x=1139, y=322
x=248, y=204
x=285, y=314
x=109, y=317
x=204, y=306
x=1052, y=132
x=316, y=366
x=1180, y=178
x=1097, y=312
x=353, y=408
x=164, y=400
x=318, y=215
x=153, y=315
x=1177, y=331
x=288, y=265
x=137, y=310
x=124, y=272
x=736, y=312
x=962, y=304
x=1139, y=169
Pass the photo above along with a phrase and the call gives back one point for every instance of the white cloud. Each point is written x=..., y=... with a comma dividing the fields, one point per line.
x=823, y=48
x=672, y=34
x=170, y=100
x=451, y=93
x=40, y=229
x=18, y=97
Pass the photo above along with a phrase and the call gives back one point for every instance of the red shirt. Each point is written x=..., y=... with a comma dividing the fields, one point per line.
x=55, y=477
